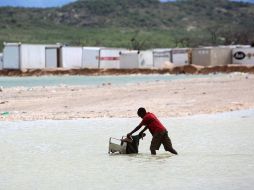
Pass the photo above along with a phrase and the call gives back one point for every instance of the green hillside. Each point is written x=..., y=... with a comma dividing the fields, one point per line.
x=136, y=24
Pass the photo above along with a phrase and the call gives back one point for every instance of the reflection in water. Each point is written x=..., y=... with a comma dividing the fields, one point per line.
x=215, y=152
x=144, y=157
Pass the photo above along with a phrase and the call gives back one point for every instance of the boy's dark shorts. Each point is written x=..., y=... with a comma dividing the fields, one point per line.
x=161, y=138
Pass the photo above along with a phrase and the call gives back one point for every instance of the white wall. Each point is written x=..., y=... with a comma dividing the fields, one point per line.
x=72, y=57
x=146, y=59
x=221, y=56
x=161, y=57
x=201, y=56
x=32, y=56
x=180, y=56
x=91, y=57
x=129, y=60
x=110, y=58
x=243, y=56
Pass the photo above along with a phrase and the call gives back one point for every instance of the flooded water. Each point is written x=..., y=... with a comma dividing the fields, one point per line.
x=91, y=80
x=215, y=152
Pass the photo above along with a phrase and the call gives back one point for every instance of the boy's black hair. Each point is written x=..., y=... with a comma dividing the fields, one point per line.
x=141, y=112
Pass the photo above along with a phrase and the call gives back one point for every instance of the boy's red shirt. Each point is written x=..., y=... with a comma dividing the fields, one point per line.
x=153, y=124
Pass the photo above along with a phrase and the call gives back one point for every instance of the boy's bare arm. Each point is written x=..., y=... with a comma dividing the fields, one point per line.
x=146, y=127
x=134, y=130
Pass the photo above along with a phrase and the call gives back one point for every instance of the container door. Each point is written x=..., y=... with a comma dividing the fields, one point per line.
x=11, y=57
x=51, y=57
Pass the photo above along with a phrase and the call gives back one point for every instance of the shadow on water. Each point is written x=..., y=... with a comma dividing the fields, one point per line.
x=143, y=157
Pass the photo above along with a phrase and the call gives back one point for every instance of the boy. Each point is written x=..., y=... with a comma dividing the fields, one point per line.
x=158, y=131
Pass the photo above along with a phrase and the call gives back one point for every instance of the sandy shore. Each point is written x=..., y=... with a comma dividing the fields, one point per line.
x=167, y=99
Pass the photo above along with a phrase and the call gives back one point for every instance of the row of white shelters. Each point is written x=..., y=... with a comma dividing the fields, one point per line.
x=105, y=58
x=30, y=56
x=96, y=57
x=243, y=55
x=1, y=61
x=39, y=56
x=156, y=58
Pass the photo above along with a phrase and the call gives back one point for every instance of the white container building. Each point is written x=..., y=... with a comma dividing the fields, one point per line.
x=136, y=59
x=71, y=57
x=129, y=59
x=146, y=59
x=243, y=56
x=161, y=57
x=30, y=56
x=91, y=57
x=33, y=56
x=211, y=56
x=110, y=58
x=180, y=56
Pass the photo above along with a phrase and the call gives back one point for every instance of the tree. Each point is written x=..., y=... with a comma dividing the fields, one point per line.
x=137, y=43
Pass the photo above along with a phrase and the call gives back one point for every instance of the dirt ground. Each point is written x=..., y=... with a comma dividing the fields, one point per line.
x=166, y=99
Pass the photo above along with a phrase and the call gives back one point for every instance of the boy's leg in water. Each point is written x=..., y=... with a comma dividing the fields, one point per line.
x=153, y=152
x=167, y=144
x=155, y=143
